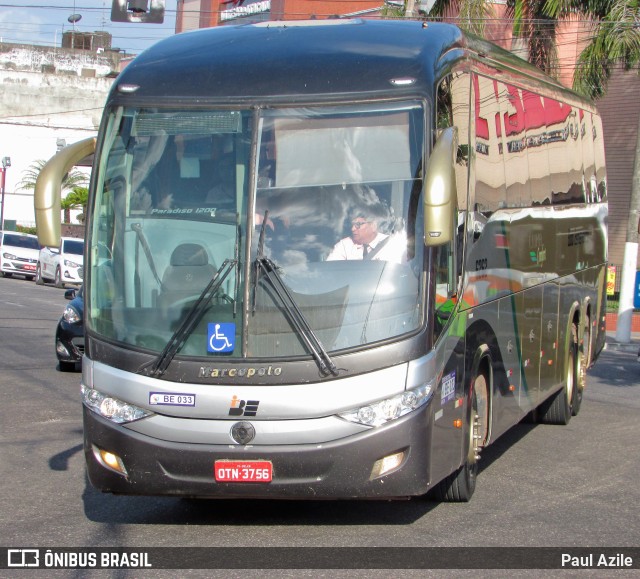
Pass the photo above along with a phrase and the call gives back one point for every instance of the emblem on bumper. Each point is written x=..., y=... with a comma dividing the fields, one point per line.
x=243, y=432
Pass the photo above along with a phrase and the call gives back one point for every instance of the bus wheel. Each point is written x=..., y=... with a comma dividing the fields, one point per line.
x=459, y=486
x=559, y=407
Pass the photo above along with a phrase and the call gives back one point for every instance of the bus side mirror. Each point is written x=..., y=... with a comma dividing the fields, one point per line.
x=138, y=11
x=46, y=196
x=440, y=194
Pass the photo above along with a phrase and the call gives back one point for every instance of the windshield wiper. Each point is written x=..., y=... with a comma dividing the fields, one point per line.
x=296, y=318
x=157, y=367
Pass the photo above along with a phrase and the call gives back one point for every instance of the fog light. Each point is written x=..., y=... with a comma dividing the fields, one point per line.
x=110, y=460
x=387, y=464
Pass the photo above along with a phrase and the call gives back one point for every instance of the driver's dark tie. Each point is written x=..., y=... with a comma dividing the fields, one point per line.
x=365, y=251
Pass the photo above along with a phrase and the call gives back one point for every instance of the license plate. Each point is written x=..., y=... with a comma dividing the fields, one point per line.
x=236, y=471
x=30, y=267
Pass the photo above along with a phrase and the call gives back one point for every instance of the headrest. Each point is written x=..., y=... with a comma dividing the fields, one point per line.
x=189, y=254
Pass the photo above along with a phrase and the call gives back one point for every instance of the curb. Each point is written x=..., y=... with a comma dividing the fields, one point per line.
x=612, y=321
x=620, y=347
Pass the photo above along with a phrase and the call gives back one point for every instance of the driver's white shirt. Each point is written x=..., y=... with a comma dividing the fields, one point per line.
x=395, y=249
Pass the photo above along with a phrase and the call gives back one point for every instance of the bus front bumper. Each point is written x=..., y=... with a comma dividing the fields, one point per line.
x=343, y=468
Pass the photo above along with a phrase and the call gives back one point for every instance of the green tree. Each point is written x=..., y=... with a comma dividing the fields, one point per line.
x=472, y=14
x=615, y=42
x=73, y=179
x=534, y=33
x=77, y=199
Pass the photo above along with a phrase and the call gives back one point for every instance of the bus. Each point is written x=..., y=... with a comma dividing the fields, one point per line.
x=332, y=259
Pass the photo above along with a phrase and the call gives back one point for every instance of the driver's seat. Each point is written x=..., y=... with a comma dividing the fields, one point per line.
x=188, y=273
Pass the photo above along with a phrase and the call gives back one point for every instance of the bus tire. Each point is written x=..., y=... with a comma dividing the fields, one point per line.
x=558, y=408
x=459, y=486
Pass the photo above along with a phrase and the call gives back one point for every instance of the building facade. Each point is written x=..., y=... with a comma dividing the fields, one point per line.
x=194, y=14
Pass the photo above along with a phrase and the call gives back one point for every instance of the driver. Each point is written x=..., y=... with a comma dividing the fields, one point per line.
x=367, y=242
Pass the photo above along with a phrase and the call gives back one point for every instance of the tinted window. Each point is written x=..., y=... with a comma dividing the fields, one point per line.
x=73, y=246
x=20, y=241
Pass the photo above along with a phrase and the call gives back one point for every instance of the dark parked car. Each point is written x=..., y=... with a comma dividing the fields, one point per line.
x=70, y=332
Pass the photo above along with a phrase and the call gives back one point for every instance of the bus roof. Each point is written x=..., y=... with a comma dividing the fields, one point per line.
x=307, y=60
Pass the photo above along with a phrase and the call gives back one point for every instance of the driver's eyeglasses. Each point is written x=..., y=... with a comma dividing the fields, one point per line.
x=358, y=224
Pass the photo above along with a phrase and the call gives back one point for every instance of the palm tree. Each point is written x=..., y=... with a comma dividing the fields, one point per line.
x=77, y=199
x=534, y=32
x=615, y=41
x=73, y=179
x=472, y=15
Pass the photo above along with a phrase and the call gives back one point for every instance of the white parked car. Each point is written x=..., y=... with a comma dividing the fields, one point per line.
x=62, y=264
x=18, y=254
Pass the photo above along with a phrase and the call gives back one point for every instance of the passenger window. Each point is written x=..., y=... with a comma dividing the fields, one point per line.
x=589, y=182
x=490, y=194
x=537, y=156
x=516, y=165
x=598, y=154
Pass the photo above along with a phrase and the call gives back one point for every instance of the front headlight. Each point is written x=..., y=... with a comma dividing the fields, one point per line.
x=9, y=256
x=69, y=263
x=389, y=409
x=112, y=408
x=71, y=315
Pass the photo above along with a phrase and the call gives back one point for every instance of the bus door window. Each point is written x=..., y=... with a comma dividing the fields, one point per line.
x=453, y=103
x=460, y=86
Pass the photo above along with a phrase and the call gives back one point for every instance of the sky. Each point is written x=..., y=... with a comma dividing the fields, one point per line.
x=42, y=22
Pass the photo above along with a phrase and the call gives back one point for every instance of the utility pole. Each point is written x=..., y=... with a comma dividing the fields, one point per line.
x=627, y=286
x=6, y=163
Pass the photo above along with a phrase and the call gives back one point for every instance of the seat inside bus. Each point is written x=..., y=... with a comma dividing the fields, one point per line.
x=188, y=273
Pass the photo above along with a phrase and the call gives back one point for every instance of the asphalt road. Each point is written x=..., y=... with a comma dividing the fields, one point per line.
x=540, y=486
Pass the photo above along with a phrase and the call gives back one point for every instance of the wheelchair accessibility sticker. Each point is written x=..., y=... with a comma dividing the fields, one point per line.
x=221, y=337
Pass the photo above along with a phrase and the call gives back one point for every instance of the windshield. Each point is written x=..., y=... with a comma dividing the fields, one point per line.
x=328, y=197
x=23, y=241
x=73, y=247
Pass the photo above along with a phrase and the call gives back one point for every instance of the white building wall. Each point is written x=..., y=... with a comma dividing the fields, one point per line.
x=47, y=96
